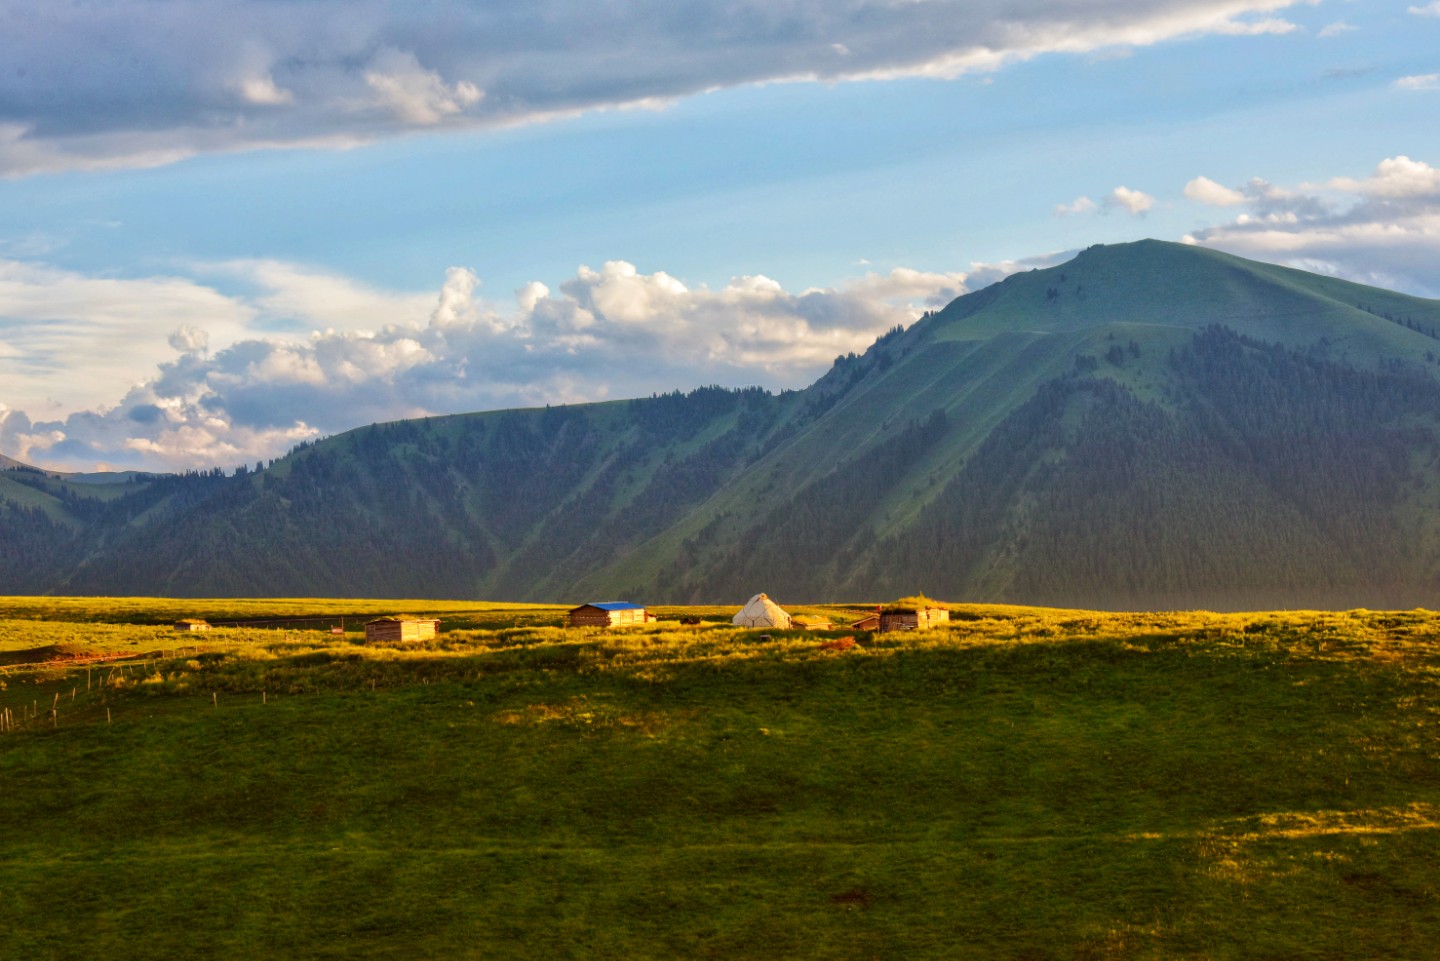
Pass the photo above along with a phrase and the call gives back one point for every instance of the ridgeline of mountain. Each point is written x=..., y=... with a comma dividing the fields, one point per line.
x=1147, y=425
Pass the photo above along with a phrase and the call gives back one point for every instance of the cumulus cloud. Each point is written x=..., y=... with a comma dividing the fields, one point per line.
x=236, y=399
x=1134, y=201
x=1206, y=191
x=189, y=340
x=1080, y=205
x=1336, y=29
x=1428, y=10
x=262, y=91
x=1381, y=229
x=1394, y=177
x=144, y=82
x=1423, y=81
x=415, y=95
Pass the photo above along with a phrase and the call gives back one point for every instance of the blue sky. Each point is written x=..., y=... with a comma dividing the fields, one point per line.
x=226, y=227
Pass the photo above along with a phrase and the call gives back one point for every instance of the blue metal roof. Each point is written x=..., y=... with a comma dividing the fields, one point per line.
x=616, y=606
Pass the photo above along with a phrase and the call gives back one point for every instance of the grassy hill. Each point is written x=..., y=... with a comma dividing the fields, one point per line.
x=1149, y=425
x=1026, y=783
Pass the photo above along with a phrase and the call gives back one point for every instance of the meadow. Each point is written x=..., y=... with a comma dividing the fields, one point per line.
x=1025, y=783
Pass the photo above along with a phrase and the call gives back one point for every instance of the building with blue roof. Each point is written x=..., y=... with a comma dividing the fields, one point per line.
x=608, y=614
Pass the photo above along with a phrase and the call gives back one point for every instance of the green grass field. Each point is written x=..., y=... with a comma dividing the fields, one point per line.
x=1027, y=784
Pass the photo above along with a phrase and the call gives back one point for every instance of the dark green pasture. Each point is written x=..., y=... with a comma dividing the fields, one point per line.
x=1026, y=784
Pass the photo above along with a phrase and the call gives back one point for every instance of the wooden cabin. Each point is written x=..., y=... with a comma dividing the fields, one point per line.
x=918, y=619
x=607, y=614
x=870, y=622
x=192, y=624
x=811, y=622
x=400, y=628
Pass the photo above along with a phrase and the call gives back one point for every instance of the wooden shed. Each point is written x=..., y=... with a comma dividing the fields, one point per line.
x=870, y=622
x=912, y=619
x=607, y=614
x=398, y=627
x=811, y=622
x=192, y=624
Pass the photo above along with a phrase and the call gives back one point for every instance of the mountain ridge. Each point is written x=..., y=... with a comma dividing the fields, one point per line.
x=702, y=496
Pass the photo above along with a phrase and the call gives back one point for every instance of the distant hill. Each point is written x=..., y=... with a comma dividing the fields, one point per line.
x=10, y=463
x=91, y=477
x=1149, y=424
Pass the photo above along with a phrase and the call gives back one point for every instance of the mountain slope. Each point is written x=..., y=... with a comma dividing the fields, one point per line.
x=1149, y=424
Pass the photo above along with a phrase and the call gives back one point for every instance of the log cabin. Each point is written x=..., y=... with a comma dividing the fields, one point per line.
x=399, y=627
x=607, y=614
x=915, y=619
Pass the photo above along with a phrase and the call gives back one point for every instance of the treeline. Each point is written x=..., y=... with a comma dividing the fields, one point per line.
x=511, y=502
x=1268, y=477
x=804, y=548
x=1256, y=476
x=35, y=550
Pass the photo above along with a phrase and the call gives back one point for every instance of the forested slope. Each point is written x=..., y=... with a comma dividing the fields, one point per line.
x=1148, y=425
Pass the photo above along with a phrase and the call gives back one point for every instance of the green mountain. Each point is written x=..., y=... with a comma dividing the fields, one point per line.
x=1149, y=424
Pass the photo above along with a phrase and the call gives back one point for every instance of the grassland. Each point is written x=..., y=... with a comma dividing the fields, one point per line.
x=1025, y=784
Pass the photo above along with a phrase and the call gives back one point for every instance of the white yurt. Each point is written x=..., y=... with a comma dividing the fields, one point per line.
x=761, y=612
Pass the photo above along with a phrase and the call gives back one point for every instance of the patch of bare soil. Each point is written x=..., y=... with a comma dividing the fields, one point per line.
x=60, y=655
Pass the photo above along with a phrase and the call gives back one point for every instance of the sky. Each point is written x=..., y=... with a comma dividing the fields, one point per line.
x=228, y=226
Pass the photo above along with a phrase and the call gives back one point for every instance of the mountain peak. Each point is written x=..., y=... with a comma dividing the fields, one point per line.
x=1160, y=284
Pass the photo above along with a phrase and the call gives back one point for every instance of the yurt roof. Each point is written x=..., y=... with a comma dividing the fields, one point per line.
x=761, y=608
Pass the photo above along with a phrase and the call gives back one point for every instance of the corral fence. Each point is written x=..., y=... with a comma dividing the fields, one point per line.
x=335, y=623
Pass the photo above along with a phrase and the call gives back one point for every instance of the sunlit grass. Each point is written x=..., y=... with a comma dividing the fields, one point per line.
x=1023, y=783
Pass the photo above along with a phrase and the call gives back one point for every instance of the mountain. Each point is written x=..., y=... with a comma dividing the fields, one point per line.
x=1147, y=425
x=92, y=477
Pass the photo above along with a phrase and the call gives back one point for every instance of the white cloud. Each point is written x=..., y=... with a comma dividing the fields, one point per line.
x=76, y=340
x=1254, y=28
x=189, y=340
x=1394, y=177
x=1121, y=198
x=1206, y=191
x=1382, y=229
x=1080, y=205
x=1429, y=10
x=1424, y=81
x=1135, y=201
x=298, y=298
x=262, y=90
x=415, y=95
x=1338, y=28
x=137, y=83
x=236, y=399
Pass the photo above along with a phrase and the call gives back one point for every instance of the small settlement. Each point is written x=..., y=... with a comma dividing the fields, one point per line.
x=398, y=627
x=910, y=614
x=607, y=614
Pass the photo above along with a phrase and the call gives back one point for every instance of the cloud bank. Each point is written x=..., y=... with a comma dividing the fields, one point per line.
x=1381, y=229
x=603, y=333
x=146, y=82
